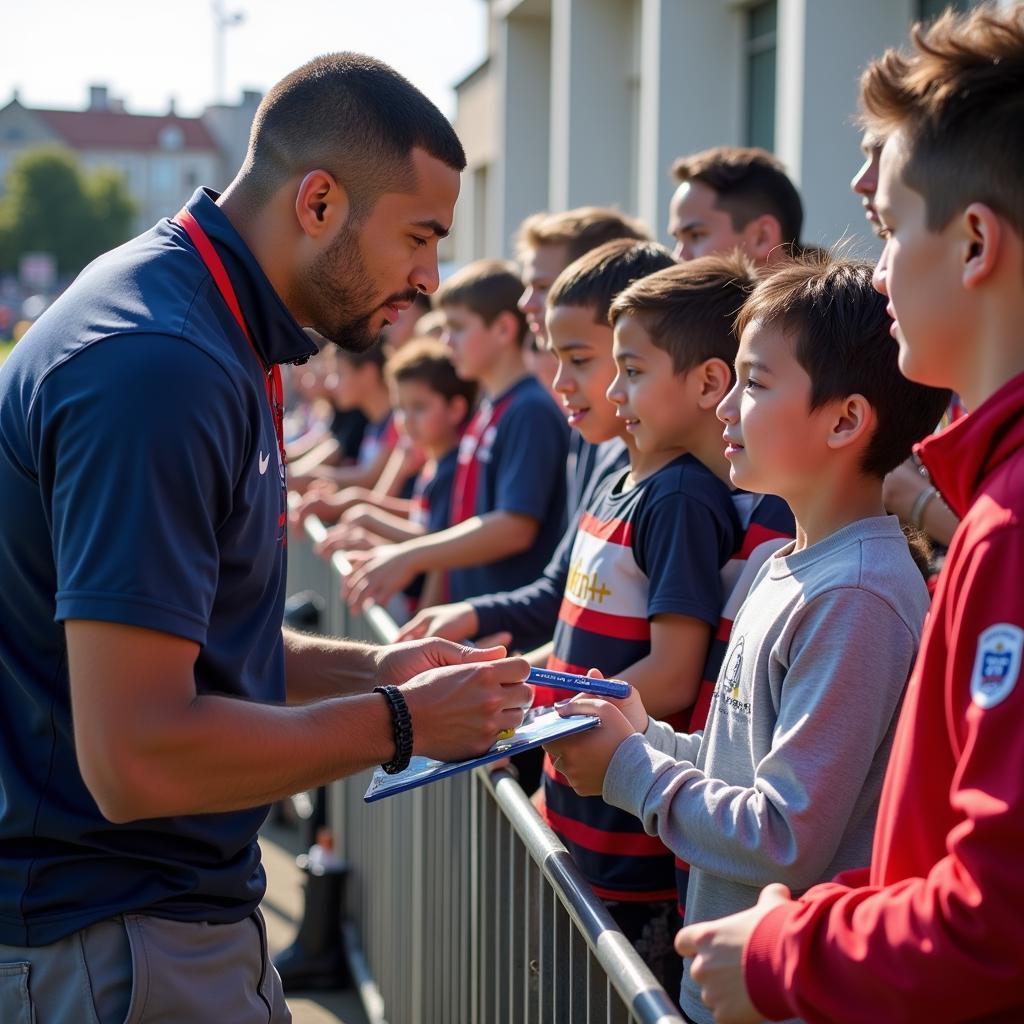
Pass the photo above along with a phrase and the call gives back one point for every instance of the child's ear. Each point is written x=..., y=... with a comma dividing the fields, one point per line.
x=983, y=234
x=508, y=326
x=458, y=409
x=321, y=203
x=763, y=235
x=714, y=378
x=852, y=423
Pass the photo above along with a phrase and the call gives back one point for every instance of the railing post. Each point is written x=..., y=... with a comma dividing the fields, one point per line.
x=463, y=906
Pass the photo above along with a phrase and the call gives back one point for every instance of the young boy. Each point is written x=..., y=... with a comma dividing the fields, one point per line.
x=508, y=496
x=359, y=384
x=643, y=591
x=932, y=931
x=546, y=244
x=783, y=783
x=432, y=404
x=581, y=340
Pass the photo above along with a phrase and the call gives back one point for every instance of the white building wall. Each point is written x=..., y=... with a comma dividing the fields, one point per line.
x=823, y=47
x=690, y=92
x=592, y=123
x=605, y=94
x=520, y=179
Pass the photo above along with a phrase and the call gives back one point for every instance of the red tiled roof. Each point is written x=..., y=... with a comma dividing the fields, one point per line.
x=112, y=129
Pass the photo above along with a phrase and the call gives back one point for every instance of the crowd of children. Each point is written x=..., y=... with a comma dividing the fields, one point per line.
x=723, y=506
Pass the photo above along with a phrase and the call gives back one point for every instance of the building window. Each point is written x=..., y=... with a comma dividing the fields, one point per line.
x=929, y=9
x=762, y=43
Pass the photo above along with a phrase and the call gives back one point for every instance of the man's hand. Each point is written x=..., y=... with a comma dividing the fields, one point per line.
x=378, y=575
x=451, y=621
x=717, y=948
x=458, y=710
x=398, y=663
x=583, y=758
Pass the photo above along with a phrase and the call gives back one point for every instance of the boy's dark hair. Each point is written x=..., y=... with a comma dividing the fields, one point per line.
x=487, y=288
x=599, y=275
x=688, y=310
x=840, y=332
x=958, y=99
x=579, y=230
x=430, y=361
x=375, y=355
x=353, y=116
x=748, y=183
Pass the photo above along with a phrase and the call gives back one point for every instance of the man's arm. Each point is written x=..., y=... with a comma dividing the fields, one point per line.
x=149, y=745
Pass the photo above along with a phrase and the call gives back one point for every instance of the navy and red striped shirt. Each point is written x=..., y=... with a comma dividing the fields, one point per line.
x=655, y=549
x=512, y=459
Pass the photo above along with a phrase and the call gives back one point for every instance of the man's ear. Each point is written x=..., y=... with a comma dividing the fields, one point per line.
x=853, y=421
x=982, y=236
x=714, y=380
x=763, y=235
x=322, y=204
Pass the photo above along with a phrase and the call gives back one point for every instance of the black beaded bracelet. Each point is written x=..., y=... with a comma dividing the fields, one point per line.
x=402, y=722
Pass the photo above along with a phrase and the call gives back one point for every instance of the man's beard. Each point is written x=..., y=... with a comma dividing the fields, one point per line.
x=344, y=297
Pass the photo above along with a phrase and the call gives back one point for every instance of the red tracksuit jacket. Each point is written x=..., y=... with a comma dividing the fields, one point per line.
x=934, y=930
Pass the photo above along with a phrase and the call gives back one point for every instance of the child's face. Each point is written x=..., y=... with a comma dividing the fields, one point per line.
x=540, y=268
x=921, y=273
x=474, y=344
x=586, y=369
x=651, y=398
x=865, y=181
x=775, y=444
x=429, y=419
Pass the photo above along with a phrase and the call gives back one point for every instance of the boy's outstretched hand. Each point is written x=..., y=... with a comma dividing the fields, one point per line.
x=717, y=948
x=584, y=758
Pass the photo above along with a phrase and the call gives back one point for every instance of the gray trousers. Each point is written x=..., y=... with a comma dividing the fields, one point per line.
x=138, y=969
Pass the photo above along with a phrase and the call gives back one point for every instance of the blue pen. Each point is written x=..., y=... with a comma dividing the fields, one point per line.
x=580, y=684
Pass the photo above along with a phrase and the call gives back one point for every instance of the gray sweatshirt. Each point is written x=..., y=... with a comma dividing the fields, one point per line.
x=783, y=783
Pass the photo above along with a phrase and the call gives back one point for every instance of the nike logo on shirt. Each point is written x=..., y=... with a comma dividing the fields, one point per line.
x=264, y=462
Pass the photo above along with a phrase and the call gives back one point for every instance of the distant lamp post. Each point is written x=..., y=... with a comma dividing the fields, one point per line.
x=222, y=21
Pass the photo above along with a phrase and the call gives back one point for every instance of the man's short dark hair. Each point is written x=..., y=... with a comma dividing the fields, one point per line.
x=598, y=276
x=840, y=332
x=748, y=183
x=688, y=310
x=353, y=116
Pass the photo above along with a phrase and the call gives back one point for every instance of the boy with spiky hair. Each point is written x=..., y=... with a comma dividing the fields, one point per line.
x=932, y=930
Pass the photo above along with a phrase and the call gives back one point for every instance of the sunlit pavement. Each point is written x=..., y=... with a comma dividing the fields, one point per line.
x=282, y=908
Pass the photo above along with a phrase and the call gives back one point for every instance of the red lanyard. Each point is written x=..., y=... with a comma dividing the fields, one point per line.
x=214, y=264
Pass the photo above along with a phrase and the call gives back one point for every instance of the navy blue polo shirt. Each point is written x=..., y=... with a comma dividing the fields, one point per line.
x=140, y=484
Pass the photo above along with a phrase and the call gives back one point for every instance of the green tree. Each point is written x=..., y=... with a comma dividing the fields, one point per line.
x=53, y=206
x=113, y=209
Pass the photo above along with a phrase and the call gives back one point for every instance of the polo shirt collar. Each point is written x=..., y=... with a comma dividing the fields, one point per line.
x=275, y=332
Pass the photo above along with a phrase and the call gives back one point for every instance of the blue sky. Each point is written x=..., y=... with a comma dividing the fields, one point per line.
x=148, y=51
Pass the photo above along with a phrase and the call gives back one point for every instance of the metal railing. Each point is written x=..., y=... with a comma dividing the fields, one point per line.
x=463, y=907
